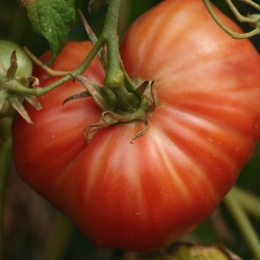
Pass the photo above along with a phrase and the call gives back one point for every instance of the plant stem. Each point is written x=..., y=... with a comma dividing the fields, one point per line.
x=5, y=164
x=126, y=94
x=38, y=91
x=232, y=202
x=241, y=18
x=114, y=75
x=116, y=79
x=252, y=3
x=227, y=29
x=249, y=201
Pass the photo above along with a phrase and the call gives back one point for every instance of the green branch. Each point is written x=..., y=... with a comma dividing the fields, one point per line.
x=114, y=75
x=38, y=91
x=233, y=34
x=116, y=80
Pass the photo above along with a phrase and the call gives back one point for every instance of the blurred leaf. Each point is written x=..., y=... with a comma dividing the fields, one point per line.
x=52, y=19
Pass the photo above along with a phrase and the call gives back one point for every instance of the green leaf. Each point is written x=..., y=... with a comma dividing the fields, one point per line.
x=52, y=19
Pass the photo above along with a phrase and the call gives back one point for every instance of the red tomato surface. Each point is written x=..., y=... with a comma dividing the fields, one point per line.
x=145, y=195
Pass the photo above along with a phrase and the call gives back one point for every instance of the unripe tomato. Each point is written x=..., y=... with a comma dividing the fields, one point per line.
x=24, y=68
x=145, y=195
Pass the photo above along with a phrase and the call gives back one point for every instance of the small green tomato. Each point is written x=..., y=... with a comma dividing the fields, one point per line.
x=24, y=68
x=15, y=70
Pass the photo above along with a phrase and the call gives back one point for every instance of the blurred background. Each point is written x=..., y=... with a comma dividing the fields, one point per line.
x=33, y=229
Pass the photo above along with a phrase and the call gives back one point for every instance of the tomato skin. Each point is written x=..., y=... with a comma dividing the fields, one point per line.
x=145, y=195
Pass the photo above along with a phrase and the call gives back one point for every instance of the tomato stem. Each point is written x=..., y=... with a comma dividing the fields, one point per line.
x=128, y=99
x=116, y=78
x=235, y=207
x=38, y=91
x=5, y=164
x=114, y=74
x=253, y=19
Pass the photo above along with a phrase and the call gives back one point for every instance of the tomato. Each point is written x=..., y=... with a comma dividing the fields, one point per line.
x=24, y=69
x=145, y=195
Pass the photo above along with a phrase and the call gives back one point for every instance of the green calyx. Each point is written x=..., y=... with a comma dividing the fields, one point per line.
x=9, y=86
x=113, y=113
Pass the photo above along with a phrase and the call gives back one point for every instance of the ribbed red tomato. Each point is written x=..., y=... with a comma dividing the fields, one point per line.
x=145, y=195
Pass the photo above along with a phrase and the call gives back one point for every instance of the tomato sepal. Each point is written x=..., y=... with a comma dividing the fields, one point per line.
x=112, y=114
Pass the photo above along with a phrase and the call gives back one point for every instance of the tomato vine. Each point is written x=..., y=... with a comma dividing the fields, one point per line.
x=252, y=19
